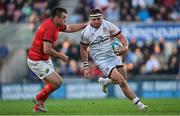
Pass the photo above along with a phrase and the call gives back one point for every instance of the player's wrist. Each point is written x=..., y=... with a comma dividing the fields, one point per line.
x=126, y=46
x=85, y=64
x=61, y=54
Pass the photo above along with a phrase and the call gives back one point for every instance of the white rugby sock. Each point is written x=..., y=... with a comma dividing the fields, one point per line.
x=137, y=102
x=107, y=81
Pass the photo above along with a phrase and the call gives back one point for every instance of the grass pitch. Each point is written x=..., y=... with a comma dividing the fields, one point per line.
x=93, y=107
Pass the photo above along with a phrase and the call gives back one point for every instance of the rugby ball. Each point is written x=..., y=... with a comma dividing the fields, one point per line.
x=116, y=46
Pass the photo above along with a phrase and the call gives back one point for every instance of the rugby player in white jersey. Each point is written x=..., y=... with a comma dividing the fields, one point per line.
x=97, y=36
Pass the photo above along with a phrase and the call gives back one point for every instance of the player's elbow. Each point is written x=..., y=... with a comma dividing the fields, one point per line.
x=47, y=50
x=69, y=29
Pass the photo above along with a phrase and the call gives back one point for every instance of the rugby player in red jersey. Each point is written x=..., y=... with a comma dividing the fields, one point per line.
x=42, y=49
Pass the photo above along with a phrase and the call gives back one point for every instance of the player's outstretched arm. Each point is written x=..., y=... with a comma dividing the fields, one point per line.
x=75, y=27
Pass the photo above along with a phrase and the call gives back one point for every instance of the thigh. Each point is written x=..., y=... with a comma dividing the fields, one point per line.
x=123, y=72
x=54, y=78
x=116, y=76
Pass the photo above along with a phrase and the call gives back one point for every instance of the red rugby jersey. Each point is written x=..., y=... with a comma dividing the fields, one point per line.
x=47, y=31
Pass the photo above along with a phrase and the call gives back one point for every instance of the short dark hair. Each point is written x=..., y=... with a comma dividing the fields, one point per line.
x=95, y=11
x=57, y=11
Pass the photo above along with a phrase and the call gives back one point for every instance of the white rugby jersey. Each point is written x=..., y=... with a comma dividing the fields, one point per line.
x=99, y=41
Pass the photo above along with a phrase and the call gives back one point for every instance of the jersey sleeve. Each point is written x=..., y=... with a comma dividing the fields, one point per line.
x=84, y=39
x=49, y=35
x=114, y=30
x=62, y=28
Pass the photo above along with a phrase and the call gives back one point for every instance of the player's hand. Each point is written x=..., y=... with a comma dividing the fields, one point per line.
x=87, y=73
x=122, y=51
x=63, y=57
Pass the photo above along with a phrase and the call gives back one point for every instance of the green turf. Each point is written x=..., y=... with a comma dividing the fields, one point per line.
x=93, y=107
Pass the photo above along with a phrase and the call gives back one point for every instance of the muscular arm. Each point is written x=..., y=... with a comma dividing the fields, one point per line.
x=84, y=58
x=124, y=41
x=47, y=49
x=75, y=27
x=84, y=53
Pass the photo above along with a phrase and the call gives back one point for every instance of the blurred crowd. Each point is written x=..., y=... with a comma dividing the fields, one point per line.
x=155, y=57
x=26, y=11
x=130, y=10
x=34, y=11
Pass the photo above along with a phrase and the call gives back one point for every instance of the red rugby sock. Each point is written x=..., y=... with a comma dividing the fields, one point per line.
x=45, y=97
x=44, y=93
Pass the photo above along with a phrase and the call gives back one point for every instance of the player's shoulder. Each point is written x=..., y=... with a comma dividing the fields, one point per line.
x=86, y=30
x=47, y=23
x=107, y=23
x=88, y=27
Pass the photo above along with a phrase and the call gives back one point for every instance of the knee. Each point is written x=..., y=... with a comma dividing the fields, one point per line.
x=58, y=83
x=122, y=83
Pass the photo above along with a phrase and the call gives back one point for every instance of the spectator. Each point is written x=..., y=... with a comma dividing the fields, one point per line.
x=71, y=68
x=130, y=61
x=73, y=52
x=152, y=65
x=26, y=11
x=34, y=21
x=3, y=52
x=149, y=3
x=133, y=44
x=79, y=14
x=138, y=3
x=101, y=4
x=2, y=12
x=112, y=12
x=65, y=45
x=173, y=62
x=168, y=3
x=143, y=14
x=140, y=57
x=160, y=56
